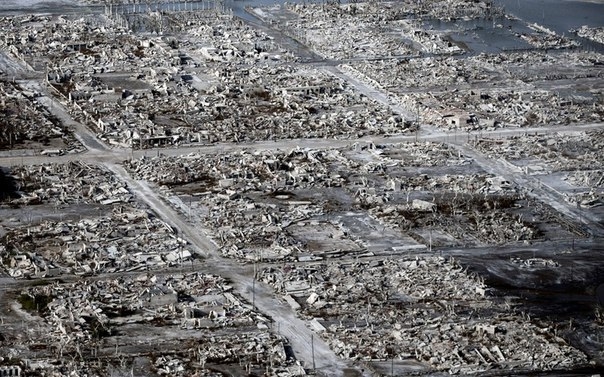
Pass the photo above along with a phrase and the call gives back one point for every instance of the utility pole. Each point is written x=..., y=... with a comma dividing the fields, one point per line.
x=312, y=347
x=190, y=203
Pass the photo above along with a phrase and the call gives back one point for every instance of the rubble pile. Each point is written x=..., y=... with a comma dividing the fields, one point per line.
x=98, y=44
x=440, y=186
x=210, y=35
x=539, y=65
x=291, y=102
x=481, y=98
x=535, y=262
x=38, y=39
x=478, y=109
x=335, y=32
x=341, y=31
x=465, y=208
x=449, y=184
x=399, y=76
x=170, y=366
x=428, y=309
x=270, y=364
x=73, y=182
x=577, y=155
x=181, y=363
x=595, y=34
x=441, y=73
x=451, y=10
x=260, y=205
x=248, y=200
x=412, y=154
x=593, y=179
x=540, y=58
x=257, y=103
x=586, y=199
x=393, y=11
x=224, y=39
x=415, y=279
x=544, y=38
x=142, y=90
x=561, y=152
x=248, y=230
x=93, y=309
x=107, y=288
x=125, y=240
x=468, y=218
x=262, y=170
x=88, y=314
x=260, y=348
x=25, y=123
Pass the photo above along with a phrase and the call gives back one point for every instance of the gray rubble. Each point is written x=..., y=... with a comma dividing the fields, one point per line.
x=488, y=91
x=544, y=38
x=595, y=34
x=413, y=154
x=348, y=237
x=563, y=152
x=260, y=205
x=573, y=157
x=541, y=66
x=428, y=309
x=219, y=328
x=127, y=239
x=27, y=124
x=430, y=72
x=488, y=109
x=369, y=30
x=67, y=184
x=190, y=301
x=459, y=220
x=219, y=82
x=228, y=187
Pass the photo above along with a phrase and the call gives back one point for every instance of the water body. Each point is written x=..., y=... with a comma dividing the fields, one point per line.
x=491, y=36
x=497, y=35
x=19, y=7
x=238, y=6
x=561, y=16
x=558, y=15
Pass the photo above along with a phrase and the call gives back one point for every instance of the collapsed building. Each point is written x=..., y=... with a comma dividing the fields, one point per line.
x=27, y=124
x=574, y=156
x=213, y=85
x=427, y=309
x=216, y=327
x=264, y=206
x=595, y=34
x=344, y=31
